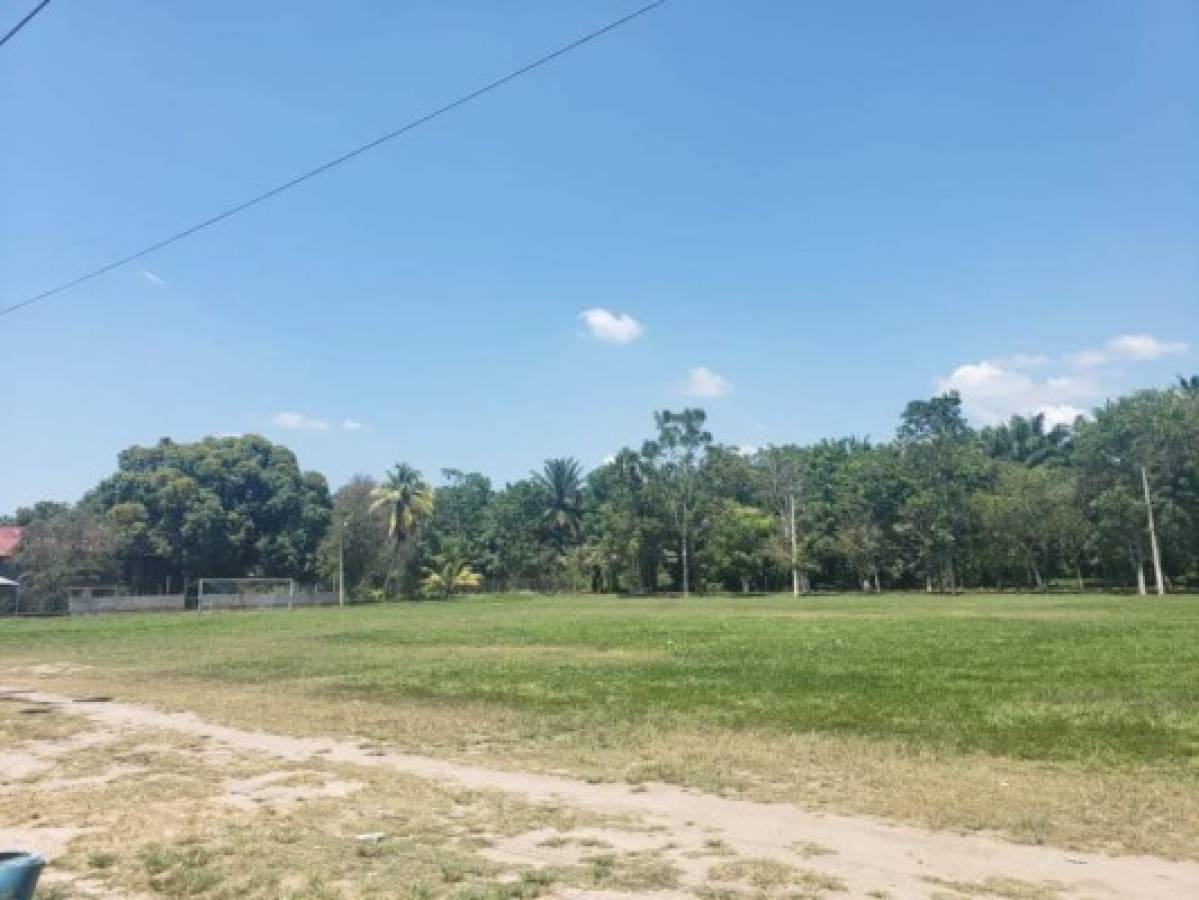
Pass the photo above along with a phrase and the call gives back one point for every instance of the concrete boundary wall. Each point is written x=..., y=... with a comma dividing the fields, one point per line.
x=77, y=606
x=265, y=601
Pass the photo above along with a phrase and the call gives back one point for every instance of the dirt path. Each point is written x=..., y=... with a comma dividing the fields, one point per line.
x=868, y=856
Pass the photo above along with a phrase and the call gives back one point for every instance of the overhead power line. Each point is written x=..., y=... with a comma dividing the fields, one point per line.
x=333, y=163
x=25, y=21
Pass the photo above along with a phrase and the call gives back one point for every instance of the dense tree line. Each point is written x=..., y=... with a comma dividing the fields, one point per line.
x=942, y=506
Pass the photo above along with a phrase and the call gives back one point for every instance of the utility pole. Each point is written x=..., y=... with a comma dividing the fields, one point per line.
x=1157, y=557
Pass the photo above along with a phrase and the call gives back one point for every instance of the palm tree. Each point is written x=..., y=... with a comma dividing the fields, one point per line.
x=449, y=576
x=562, y=481
x=409, y=501
x=1028, y=441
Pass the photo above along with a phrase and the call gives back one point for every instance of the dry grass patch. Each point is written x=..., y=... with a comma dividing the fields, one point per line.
x=771, y=878
x=169, y=832
x=1000, y=887
x=1135, y=811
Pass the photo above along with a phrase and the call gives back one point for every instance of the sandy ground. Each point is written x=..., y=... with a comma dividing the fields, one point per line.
x=868, y=856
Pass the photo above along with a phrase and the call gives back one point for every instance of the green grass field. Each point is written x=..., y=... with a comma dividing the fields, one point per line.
x=864, y=704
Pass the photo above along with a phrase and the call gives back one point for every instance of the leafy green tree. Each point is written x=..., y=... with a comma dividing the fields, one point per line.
x=64, y=548
x=942, y=464
x=627, y=524
x=1021, y=515
x=781, y=476
x=516, y=535
x=356, y=538
x=1153, y=437
x=738, y=548
x=676, y=456
x=461, y=523
x=218, y=507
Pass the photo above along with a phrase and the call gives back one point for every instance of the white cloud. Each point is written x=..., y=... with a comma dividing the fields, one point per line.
x=156, y=280
x=1143, y=346
x=994, y=390
x=992, y=393
x=299, y=422
x=703, y=382
x=1086, y=359
x=352, y=425
x=1024, y=361
x=1133, y=347
x=747, y=450
x=611, y=327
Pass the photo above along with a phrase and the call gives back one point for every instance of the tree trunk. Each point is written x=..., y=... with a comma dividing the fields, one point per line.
x=1036, y=575
x=1157, y=557
x=1140, y=567
x=1078, y=576
x=877, y=588
x=794, y=550
x=686, y=574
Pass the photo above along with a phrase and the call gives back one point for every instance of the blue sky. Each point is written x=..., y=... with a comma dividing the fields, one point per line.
x=808, y=213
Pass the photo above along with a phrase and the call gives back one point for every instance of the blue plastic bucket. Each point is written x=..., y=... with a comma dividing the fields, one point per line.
x=18, y=875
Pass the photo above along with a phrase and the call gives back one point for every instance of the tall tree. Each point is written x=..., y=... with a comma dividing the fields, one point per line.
x=677, y=454
x=408, y=501
x=943, y=465
x=356, y=544
x=562, y=481
x=781, y=470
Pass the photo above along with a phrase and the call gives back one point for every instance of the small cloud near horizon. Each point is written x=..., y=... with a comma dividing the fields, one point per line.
x=352, y=425
x=994, y=390
x=610, y=327
x=299, y=422
x=151, y=277
x=703, y=382
x=1126, y=348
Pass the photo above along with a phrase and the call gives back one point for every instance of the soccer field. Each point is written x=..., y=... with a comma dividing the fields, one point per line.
x=1069, y=721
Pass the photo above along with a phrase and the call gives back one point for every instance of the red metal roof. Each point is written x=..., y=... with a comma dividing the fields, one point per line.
x=10, y=536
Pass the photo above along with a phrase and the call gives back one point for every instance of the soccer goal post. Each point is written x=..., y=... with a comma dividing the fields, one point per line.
x=244, y=593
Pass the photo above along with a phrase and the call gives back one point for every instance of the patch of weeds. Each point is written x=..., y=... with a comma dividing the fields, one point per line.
x=531, y=885
x=809, y=849
x=1003, y=887
x=316, y=889
x=640, y=871
x=717, y=847
x=771, y=875
x=1035, y=828
x=101, y=860
x=181, y=870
